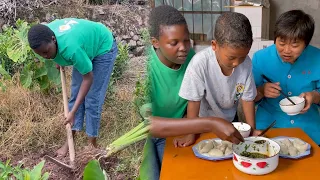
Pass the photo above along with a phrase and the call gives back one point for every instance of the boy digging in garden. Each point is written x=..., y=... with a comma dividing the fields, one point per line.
x=91, y=49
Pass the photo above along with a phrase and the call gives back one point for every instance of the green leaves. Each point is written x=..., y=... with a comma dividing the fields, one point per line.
x=93, y=171
x=26, y=76
x=34, y=70
x=52, y=72
x=18, y=49
x=8, y=172
x=4, y=73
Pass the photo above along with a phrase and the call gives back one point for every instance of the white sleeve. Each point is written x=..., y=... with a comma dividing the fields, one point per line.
x=250, y=90
x=193, y=85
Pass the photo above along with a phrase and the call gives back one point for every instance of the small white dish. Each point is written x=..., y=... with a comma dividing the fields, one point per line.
x=243, y=128
x=291, y=109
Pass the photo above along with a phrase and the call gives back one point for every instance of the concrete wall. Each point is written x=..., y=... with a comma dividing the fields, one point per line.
x=311, y=7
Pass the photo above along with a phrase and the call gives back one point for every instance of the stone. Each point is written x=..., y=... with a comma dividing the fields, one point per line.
x=138, y=51
x=131, y=55
x=132, y=34
x=135, y=38
x=126, y=37
x=139, y=43
x=100, y=11
x=132, y=43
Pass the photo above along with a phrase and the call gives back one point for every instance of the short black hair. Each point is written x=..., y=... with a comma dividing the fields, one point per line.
x=233, y=29
x=294, y=24
x=39, y=34
x=164, y=15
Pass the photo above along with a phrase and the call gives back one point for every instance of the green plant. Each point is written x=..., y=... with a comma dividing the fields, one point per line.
x=145, y=36
x=93, y=171
x=119, y=67
x=9, y=172
x=19, y=57
x=142, y=92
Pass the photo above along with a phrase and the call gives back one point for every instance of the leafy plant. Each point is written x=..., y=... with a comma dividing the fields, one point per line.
x=9, y=172
x=17, y=56
x=93, y=171
x=119, y=67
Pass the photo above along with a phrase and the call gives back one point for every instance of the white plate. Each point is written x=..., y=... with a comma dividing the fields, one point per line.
x=207, y=157
x=301, y=155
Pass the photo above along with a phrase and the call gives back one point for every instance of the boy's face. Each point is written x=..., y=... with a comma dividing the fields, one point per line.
x=47, y=50
x=173, y=44
x=228, y=56
x=289, y=49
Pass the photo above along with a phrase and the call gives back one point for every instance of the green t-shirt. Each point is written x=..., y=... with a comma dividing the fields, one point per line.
x=79, y=41
x=165, y=86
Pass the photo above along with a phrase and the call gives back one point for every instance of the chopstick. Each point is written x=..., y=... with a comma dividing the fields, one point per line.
x=280, y=90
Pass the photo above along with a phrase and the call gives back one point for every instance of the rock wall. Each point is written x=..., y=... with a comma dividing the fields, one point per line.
x=127, y=21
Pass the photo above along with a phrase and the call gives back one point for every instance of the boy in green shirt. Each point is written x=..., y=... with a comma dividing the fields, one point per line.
x=91, y=49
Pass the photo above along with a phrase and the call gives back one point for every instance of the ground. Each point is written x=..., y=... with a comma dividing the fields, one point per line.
x=30, y=127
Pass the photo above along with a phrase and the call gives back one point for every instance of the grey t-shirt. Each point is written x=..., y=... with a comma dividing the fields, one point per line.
x=219, y=94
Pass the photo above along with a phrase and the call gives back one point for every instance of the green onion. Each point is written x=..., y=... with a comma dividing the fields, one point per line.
x=137, y=134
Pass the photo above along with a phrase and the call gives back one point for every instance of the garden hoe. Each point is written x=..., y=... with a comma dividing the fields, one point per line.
x=68, y=128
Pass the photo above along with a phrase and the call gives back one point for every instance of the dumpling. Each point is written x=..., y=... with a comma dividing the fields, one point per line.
x=302, y=148
x=300, y=145
x=221, y=147
x=229, y=144
x=283, y=148
x=215, y=153
x=207, y=147
x=228, y=151
x=215, y=144
x=201, y=145
x=287, y=142
x=293, y=151
x=297, y=141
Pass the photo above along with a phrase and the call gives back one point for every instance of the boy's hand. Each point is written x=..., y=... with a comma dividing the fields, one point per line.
x=185, y=141
x=70, y=119
x=226, y=131
x=271, y=90
x=256, y=132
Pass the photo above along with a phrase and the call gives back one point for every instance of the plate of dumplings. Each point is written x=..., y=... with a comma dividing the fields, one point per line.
x=213, y=149
x=292, y=148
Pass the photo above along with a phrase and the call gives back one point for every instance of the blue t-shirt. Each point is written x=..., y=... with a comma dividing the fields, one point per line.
x=301, y=76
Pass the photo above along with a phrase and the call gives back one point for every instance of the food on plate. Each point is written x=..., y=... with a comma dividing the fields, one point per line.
x=293, y=151
x=283, y=147
x=207, y=147
x=228, y=151
x=227, y=143
x=213, y=148
x=287, y=142
x=292, y=147
x=215, y=153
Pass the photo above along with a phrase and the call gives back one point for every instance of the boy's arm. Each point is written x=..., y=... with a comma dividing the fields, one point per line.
x=249, y=112
x=83, y=64
x=167, y=127
x=248, y=105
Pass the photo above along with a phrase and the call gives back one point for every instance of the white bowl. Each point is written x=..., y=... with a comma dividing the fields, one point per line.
x=287, y=107
x=256, y=166
x=243, y=128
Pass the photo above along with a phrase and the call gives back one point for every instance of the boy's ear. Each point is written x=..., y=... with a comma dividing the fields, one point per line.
x=54, y=39
x=214, y=45
x=155, y=42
